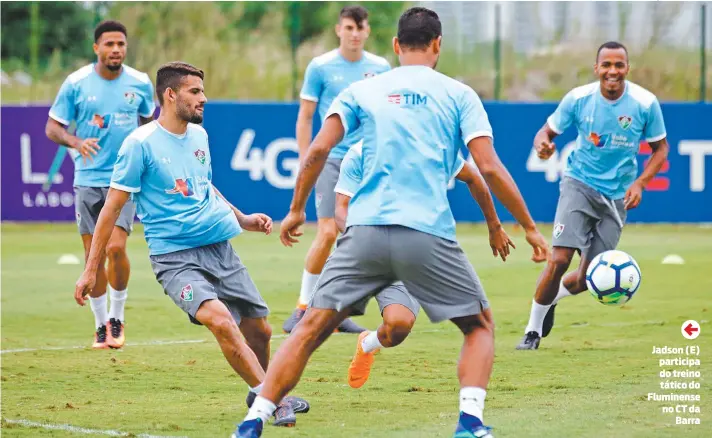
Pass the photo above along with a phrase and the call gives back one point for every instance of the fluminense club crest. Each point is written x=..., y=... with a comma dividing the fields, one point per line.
x=200, y=155
x=625, y=121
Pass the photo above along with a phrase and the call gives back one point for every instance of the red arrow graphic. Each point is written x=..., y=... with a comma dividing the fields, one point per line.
x=690, y=329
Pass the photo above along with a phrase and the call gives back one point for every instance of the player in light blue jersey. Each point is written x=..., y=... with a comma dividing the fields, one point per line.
x=400, y=226
x=106, y=100
x=612, y=116
x=398, y=308
x=326, y=76
x=166, y=166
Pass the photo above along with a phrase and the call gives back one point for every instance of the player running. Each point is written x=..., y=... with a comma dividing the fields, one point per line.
x=400, y=226
x=398, y=308
x=166, y=166
x=324, y=79
x=106, y=100
x=599, y=184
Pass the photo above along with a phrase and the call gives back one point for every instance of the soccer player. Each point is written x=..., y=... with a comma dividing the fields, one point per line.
x=400, y=226
x=166, y=166
x=398, y=308
x=599, y=184
x=324, y=79
x=106, y=100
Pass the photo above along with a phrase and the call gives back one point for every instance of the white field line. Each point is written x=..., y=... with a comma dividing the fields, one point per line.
x=77, y=429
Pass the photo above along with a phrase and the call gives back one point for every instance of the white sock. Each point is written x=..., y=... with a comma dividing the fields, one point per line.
x=536, y=318
x=371, y=342
x=472, y=401
x=118, y=299
x=98, y=307
x=308, y=284
x=256, y=389
x=261, y=408
x=563, y=293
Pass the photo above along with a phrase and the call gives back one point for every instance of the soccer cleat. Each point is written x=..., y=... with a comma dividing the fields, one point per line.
x=299, y=405
x=348, y=326
x=469, y=426
x=361, y=364
x=548, y=322
x=292, y=321
x=530, y=341
x=249, y=429
x=115, y=338
x=284, y=415
x=100, y=339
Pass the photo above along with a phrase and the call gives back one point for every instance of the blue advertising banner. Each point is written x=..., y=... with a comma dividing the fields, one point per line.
x=254, y=153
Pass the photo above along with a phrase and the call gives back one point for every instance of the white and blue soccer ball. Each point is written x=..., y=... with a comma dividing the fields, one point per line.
x=613, y=277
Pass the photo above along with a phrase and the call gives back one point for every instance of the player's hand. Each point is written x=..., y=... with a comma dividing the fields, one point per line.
x=545, y=149
x=539, y=244
x=500, y=242
x=89, y=147
x=257, y=222
x=84, y=285
x=291, y=227
x=633, y=195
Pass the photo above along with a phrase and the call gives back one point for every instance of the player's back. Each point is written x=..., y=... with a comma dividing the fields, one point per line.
x=413, y=119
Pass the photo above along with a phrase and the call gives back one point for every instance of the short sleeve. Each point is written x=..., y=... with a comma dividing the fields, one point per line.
x=457, y=168
x=563, y=115
x=474, y=122
x=63, y=109
x=129, y=167
x=655, y=125
x=351, y=173
x=148, y=105
x=313, y=83
x=346, y=107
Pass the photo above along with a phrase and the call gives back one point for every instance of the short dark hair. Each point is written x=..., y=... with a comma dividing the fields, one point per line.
x=108, y=26
x=357, y=13
x=418, y=27
x=170, y=75
x=611, y=45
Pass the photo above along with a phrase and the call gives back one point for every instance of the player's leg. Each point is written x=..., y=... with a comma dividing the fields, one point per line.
x=258, y=333
x=574, y=221
x=399, y=310
x=358, y=269
x=88, y=202
x=321, y=246
x=437, y=273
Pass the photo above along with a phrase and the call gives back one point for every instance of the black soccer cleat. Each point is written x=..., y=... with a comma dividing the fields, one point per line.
x=284, y=415
x=548, y=322
x=293, y=319
x=530, y=341
x=298, y=404
x=348, y=326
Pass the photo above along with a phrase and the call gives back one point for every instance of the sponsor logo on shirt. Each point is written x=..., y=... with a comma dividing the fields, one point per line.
x=407, y=99
x=182, y=186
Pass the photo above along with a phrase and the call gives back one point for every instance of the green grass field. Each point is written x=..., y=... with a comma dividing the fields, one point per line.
x=590, y=378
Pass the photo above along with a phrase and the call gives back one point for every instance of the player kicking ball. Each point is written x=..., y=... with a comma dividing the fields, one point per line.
x=400, y=226
x=166, y=166
x=599, y=184
x=107, y=100
x=398, y=308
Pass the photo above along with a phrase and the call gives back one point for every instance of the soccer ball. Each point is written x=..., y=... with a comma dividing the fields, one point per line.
x=613, y=277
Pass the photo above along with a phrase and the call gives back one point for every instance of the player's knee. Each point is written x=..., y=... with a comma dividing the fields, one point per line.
x=115, y=250
x=222, y=326
x=261, y=334
x=399, y=329
x=560, y=261
x=328, y=232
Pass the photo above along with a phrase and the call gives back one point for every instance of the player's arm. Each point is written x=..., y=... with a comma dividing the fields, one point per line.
x=61, y=114
x=115, y=201
x=143, y=120
x=305, y=120
x=555, y=125
x=147, y=107
x=654, y=133
x=251, y=222
x=342, y=210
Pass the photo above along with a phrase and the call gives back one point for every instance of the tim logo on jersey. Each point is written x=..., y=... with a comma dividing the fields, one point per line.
x=182, y=186
x=100, y=122
x=407, y=99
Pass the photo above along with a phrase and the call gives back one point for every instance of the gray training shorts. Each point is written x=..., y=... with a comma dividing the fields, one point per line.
x=586, y=219
x=325, y=197
x=209, y=272
x=88, y=202
x=368, y=259
x=395, y=293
